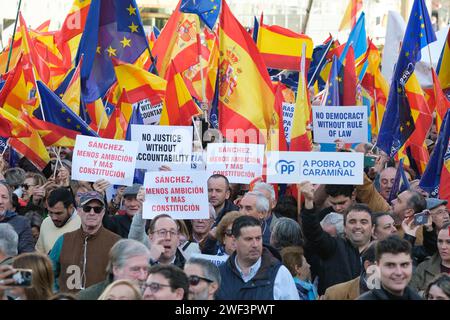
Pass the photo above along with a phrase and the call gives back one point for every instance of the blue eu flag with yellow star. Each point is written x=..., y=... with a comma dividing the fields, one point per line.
x=53, y=110
x=113, y=30
x=398, y=123
x=207, y=10
x=334, y=83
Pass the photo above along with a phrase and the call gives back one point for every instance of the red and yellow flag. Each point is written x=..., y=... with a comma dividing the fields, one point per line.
x=349, y=18
x=12, y=127
x=179, y=107
x=246, y=95
x=441, y=102
x=281, y=48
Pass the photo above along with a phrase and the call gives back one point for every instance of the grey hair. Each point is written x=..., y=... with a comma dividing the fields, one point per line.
x=335, y=219
x=123, y=250
x=9, y=240
x=210, y=270
x=285, y=233
x=267, y=187
x=262, y=204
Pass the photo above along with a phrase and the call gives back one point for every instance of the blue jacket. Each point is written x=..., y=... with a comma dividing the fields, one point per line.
x=23, y=228
x=260, y=287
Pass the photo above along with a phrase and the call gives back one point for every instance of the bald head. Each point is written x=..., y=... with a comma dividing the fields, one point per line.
x=387, y=177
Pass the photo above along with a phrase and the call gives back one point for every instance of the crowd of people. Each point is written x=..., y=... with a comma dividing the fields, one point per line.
x=89, y=241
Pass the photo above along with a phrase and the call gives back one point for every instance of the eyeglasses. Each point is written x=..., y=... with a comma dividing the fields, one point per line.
x=87, y=209
x=163, y=233
x=195, y=280
x=155, y=286
x=27, y=186
x=228, y=233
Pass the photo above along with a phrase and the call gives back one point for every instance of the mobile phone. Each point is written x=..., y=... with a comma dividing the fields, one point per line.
x=421, y=218
x=369, y=161
x=22, y=278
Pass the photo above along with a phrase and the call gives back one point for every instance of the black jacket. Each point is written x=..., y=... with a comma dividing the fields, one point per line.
x=119, y=224
x=382, y=294
x=229, y=206
x=339, y=260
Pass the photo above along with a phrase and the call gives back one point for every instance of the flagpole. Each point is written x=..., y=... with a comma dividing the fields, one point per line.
x=38, y=93
x=320, y=62
x=204, y=104
x=6, y=147
x=13, y=36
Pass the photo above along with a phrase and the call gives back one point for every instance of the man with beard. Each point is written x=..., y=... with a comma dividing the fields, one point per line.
x=62, y=218
x=204, y=279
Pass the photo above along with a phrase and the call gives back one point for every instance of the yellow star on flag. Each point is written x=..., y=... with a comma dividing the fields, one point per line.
x=126, y=42
x=131, y=10
x=63, y=110
x=111, y=51
x=133, y=27
x=98, y=49
x=68, y=120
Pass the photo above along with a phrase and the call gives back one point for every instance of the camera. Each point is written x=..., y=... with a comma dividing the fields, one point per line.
x=421, y=218
x=22, y=278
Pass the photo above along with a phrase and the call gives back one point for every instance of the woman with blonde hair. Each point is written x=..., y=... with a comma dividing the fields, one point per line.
x=121, y=290
x=42, y=276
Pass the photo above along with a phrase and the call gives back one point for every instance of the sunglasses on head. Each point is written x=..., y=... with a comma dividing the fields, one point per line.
x=195, y=280
x=26, y=186
x=87, y=209
x=228, y=233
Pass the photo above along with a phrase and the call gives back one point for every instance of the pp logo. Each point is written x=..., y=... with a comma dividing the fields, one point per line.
x=285, y=167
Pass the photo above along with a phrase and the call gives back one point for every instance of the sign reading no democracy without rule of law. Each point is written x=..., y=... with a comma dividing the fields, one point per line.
x=316, y=167
x=97, y=158
x=163, y=145
x=239, y=162
x=181, y=194
x=348, y=124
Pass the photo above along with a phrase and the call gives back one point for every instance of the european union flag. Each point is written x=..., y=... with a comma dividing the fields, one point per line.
x=56, y=112
x=207, y=10
x=334, y=83
x=400, y=184
x=113, y=29
x=136, y=118
x=318, y=61
x=398, y=123
x=431, y=178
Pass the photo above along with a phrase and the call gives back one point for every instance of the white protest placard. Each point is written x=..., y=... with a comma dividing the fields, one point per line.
x=96, y=158
x=150, y=109
x=217, y=260
x=163, y=145
x=348, y=124
x=288, y=116
x=239, y=162
x=316, y=167
x=180, y=194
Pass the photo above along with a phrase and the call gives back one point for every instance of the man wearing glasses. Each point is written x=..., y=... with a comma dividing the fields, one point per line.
x=166, y=282
x=80, y=257
x=164, y=240
x=204, y=279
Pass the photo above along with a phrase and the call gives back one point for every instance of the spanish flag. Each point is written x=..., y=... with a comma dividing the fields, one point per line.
x=179, y=107
x=246, y=96
x=281, y=48
x=441, y=102
x=349, y=18
x=443, y=68
x=138, y=84
x=73, y=92
x=12, y=127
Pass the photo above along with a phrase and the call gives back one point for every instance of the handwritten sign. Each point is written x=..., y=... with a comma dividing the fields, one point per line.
x=163, y=145
x=288, y=116
x=348, y=124
x=239, y=162
x=316, y=167
x=180, y=194
x=97, y=158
